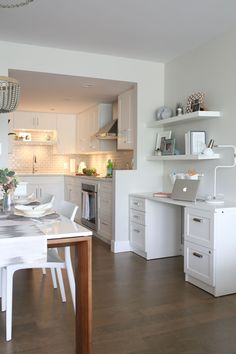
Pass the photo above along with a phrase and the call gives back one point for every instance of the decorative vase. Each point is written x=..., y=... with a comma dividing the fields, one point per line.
x=6, y=203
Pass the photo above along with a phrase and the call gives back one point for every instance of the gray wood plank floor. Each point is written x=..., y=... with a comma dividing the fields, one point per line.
x=139, y=307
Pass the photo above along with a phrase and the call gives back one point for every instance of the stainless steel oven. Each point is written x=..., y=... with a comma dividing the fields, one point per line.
x=89, y=215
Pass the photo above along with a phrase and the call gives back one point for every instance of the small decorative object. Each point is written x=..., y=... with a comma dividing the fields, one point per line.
x=208, y=151
x=157, y=152
x=169, y=147
x=197, y=142
x=195, y=102
x=8, y=183
x=179, y=109
x=164, y=113
x=24, y=136
x=165, y=134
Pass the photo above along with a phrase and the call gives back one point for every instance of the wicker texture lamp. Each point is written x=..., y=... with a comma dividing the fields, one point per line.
x=11, y=4
x=9, y=94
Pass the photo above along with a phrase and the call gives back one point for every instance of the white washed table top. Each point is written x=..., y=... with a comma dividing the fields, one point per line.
x=60, y=227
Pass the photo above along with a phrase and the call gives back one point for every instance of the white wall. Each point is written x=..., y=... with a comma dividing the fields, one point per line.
x=149, y=77
x=210, y=69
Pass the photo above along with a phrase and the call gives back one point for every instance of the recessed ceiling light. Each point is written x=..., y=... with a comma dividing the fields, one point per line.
x=67, y=99
x=52, y=109
x=88, y=85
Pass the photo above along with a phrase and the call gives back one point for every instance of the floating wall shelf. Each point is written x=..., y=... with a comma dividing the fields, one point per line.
x=183, y=157
x=193, y=116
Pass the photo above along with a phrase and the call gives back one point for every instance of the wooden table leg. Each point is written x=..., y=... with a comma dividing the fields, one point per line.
x=83, y=277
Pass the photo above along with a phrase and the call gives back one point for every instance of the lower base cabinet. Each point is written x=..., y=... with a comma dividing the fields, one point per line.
x=209, y=249
x=150, y=235
x=73, y=194
x=105, y=211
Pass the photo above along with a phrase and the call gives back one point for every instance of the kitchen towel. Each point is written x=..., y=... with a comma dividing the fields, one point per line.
x=22, y=244
x=85, y=205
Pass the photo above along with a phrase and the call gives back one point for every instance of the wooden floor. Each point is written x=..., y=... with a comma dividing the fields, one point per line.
x=139, y=307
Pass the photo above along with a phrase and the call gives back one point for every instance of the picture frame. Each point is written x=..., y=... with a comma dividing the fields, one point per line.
x=165, y=134
x=169, y=147
x=197, y=142
x=195, y=102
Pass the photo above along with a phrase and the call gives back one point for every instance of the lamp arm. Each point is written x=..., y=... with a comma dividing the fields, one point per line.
x=229, y=166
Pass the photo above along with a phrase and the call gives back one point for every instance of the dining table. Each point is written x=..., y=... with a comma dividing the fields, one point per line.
x=61, y=232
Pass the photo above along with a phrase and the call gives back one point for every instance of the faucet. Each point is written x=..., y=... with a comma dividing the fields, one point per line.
x=34, y=167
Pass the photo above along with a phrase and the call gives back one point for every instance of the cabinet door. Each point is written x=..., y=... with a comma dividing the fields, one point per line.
x=83, y=132
x=126, y=117
x=24, y=120
x=66, y=126
x=93, y=125
x=45, y=121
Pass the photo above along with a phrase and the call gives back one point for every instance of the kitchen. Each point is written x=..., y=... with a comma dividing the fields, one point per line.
x=53, y=133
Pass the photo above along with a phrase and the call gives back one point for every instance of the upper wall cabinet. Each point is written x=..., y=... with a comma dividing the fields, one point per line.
x=34, y=120
x=66, y=134
x=127, y=104
x=88, y=124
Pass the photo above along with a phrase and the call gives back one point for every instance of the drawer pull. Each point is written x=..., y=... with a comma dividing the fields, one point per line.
x=136, y=230
x=136, y=203
x=136, y=216
x=197, y=255
x=104, y=223
x=197, y=220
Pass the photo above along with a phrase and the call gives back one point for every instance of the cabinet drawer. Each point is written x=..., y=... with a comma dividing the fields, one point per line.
x=105, y=204
x=137, y=203
x=137, y=216
x=137, y=236
x=105, y=226
x=199, y=227
x=199, y=262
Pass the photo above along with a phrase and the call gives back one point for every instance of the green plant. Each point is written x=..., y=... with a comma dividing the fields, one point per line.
x=8, y=180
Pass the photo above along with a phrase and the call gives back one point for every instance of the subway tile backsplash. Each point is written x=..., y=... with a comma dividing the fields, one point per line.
x=21, y=159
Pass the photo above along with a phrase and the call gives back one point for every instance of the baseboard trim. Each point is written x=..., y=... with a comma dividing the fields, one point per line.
x=120, y=246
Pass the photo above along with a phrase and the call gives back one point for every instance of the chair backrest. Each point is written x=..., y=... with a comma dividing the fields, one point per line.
x=47, y=198
x=68, y=209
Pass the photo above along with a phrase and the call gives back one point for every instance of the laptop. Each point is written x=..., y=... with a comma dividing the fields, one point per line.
x=185, y=189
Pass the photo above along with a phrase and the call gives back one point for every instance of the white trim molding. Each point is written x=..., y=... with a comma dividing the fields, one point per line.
x=120, y=246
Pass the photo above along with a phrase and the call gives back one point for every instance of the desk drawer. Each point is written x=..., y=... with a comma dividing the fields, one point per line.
x=137, y=236
x=199, y=227
x=198, y=262
x=137, y=216
x=137, y=203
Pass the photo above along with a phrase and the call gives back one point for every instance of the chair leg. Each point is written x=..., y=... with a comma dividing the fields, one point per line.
x=0, y=282
x=61, y=284
x=70, y=274
x=44, y=271
x=9, y=290
x=54, y=279
x=3, y=282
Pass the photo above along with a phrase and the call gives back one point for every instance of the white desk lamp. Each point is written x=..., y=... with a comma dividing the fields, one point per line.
x=214, y=199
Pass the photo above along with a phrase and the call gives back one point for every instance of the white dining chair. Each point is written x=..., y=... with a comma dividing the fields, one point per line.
x=54, y=261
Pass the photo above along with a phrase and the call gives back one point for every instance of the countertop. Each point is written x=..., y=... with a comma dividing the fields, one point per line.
x=97, y=178
x=198, y=204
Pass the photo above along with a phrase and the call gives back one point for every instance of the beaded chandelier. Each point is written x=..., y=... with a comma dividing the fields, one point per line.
x=9, y=94
x=10, y=4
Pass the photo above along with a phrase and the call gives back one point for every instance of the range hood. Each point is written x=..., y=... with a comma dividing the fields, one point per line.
x=108, y=131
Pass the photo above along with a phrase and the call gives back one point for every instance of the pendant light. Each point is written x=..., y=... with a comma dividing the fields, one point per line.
x=9, y=94
x=12, y=4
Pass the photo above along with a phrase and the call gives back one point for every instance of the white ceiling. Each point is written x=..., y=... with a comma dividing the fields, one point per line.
x=157, y=30
x=42, y=92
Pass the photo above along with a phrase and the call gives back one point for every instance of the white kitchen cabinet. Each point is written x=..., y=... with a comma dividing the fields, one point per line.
x=45, y=184
x=209, y=249
x=34, y=120
x=88, y=124
x=105, y=211
x=150, y=235
x=66, y=134
x=73, y=193
x=127, y=103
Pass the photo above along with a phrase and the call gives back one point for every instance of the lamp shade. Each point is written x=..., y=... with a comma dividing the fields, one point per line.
x=9, y=94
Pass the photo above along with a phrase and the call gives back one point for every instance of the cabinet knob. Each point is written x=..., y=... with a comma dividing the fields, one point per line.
x=136, y=230
x=197, y=220
x=197, y=255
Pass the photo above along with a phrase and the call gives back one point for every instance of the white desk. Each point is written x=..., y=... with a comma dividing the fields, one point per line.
x=208, y=232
